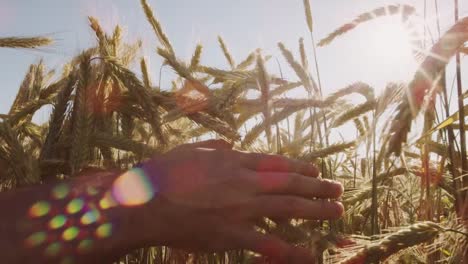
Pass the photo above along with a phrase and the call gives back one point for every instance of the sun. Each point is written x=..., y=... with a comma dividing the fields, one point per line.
x=391, y=47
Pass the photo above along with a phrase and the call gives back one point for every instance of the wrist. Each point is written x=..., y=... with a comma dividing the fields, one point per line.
x=141, y=209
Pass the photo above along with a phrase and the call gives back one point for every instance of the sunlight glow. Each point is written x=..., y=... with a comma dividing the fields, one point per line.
x=390, y=46
x=133, y=188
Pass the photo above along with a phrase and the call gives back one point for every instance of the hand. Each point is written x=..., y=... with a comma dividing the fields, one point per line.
x=209, y=197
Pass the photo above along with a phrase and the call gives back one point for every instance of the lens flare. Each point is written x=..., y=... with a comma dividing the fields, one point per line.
x=107, y=202
x=133, y=188
x=85, y=246
x=90, y=217
x=36, y=239
x=104, y=230
x=70, y=233
x=39, y=209
x=60, y=191
x=92, y=191
x=75, y=206
x=57, y=222
x=53, y=249
x=67, y=260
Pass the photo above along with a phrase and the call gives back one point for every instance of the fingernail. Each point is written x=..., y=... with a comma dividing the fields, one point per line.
x=339, y=187
x=341, y=208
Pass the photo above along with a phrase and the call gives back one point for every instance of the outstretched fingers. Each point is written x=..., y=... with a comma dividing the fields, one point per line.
x=276, y=163
x=286, y=207
x=295, y=184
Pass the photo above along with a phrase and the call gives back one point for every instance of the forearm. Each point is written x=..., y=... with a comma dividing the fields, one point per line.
x=76, y=221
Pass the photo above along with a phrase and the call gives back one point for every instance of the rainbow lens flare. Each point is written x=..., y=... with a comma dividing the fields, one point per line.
x=90, y=217
x=67, y=260
x=92, y=191
x=85, y=246
x=70, y=233
x=36, y=239
x=133, y=188
x=107, y=201
x=104, y=230
x=53, y=249
x=75, y=206
x=57, y=222
x=60, y=191
x=39, y=209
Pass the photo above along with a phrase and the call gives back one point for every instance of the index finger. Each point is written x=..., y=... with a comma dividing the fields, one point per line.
x=277, y=163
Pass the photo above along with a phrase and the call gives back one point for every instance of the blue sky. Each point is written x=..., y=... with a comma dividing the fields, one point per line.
x=245, y=24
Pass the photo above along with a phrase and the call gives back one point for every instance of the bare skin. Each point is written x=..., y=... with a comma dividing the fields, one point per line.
x=204, y=197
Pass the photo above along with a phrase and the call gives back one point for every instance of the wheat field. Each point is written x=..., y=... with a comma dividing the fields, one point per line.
x=406, y=200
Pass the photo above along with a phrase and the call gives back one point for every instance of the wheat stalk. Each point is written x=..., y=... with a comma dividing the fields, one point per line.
x=104, y=48
x=308, y=14
x=154, y=22
x=404, y=10
x=300, y=71
x=195, y=62
x=23, y=93
x=226, y=52
x=144, y=71
x=354, y=113
x=264, y=86
x=247, y=61
x=358, y=87
x=57, y=119
x=333, y=149
x=405, y=238
x=81, y=117
x=18, y=115
x=143, y=96
x=302, y=51
x=25, y=43
x=101, y=139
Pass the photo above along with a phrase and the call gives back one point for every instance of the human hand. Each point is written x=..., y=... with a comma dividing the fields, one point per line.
x=209, y=197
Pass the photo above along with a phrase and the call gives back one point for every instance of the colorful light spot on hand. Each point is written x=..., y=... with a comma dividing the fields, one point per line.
x=104, y=231
x=85, y=246
x=75, y=206
x=67, y=260
x=36, y=239
x=90, y=217
x=53, y=249
x=39, y=209
x=60, y=191
x=107, y=202
x=70, y=233
x=57, y=222
x=133, y=188
x=92, y=191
